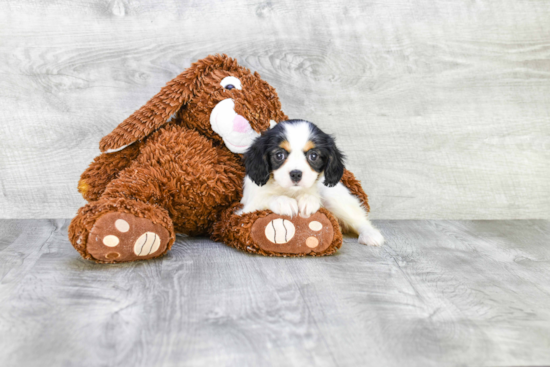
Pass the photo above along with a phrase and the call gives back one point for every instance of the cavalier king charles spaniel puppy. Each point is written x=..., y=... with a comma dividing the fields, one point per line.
x=295, y=168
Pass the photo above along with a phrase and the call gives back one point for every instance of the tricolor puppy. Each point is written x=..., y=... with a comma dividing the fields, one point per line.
x=295, y=168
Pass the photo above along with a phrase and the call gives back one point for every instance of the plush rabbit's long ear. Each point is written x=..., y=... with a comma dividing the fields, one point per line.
x=160, y=108
x=152, y=115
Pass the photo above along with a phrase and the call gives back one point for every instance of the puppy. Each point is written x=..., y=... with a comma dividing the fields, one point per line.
x=295, y=168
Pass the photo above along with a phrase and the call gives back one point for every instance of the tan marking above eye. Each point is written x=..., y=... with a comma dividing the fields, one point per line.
x=285, y=145
x=309, y=145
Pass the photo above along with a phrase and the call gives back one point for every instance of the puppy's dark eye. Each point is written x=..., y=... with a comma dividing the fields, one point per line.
x=280, y=156
x=313, y=156
x=229, y=86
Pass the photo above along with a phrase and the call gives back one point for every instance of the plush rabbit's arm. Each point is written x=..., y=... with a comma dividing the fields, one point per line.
x=354, y=186
x=104, y=169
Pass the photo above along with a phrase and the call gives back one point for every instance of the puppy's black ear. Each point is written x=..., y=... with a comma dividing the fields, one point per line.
x=334, y=169
x=256, y=161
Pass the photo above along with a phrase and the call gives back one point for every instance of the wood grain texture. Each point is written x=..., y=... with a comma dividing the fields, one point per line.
x=439, y=293
x=443, y=107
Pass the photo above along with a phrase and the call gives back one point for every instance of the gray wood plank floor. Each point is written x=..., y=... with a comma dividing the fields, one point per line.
x=438, y=293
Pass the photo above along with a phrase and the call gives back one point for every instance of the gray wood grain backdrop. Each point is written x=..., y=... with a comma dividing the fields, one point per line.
x=443, y=107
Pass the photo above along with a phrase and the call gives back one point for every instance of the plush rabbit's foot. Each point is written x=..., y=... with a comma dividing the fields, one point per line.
x=299, y=235
x=266, y=233
x=112, y=230
x=121, y=237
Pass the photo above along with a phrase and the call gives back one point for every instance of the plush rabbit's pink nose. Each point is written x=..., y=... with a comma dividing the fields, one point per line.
x=240, y=124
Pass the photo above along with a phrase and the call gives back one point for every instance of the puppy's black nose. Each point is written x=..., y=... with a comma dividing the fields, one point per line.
x=295, y=176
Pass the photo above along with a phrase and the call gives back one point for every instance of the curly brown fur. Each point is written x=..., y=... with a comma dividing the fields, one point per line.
x=103, y=170
x=185, y=173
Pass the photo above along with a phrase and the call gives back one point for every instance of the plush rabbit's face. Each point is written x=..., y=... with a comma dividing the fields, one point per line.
x=233, y=106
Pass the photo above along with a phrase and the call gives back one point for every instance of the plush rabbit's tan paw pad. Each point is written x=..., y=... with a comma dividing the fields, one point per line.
x=297, y=235
x=121, y=237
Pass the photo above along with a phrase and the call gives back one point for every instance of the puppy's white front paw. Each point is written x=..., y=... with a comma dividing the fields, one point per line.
x=308, y=204
x=370, y=236
x=283, y=205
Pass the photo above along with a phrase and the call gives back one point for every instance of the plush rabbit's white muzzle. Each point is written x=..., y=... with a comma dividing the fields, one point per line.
x=235, y=130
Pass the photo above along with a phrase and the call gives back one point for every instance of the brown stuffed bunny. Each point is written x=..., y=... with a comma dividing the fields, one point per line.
x=175, y=165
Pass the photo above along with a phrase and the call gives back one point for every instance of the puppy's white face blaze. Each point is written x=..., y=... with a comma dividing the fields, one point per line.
x=296, y=173
x=285, y=166
x=235, y=130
